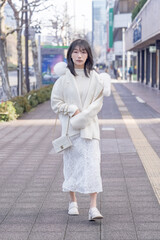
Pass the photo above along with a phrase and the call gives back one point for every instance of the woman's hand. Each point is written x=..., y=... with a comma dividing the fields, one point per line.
x=76, y=113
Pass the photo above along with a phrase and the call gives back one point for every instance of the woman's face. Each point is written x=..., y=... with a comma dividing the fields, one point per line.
x=79, y=57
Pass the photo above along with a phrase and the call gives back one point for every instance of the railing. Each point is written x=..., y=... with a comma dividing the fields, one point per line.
x=14, y=91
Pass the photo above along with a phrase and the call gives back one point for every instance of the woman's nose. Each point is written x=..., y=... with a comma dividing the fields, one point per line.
x=79, y=54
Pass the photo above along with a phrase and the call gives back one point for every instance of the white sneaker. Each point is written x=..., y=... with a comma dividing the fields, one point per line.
x=94, y=214
x=73, y=208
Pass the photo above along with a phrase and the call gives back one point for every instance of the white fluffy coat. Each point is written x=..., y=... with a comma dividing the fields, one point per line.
x=65, y=100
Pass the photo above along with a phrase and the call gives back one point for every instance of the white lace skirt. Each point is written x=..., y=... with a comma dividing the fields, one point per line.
x=82, y=166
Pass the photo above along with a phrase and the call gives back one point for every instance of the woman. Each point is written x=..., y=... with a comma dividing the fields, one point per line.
x=78, y=96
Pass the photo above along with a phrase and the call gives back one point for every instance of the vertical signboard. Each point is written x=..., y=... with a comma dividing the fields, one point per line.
x=50, y=55
x=111, y=28
x=48, y=63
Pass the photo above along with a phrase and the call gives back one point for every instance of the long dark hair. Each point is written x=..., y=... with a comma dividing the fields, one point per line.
x=82, y=44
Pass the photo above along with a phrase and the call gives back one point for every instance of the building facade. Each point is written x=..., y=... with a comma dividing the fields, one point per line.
x=143, y=37
x=99, y=30
x=122, y=19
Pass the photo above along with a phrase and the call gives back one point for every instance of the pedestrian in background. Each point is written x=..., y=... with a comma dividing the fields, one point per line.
x=119, y=73
x=130, y=73
x=77, y=96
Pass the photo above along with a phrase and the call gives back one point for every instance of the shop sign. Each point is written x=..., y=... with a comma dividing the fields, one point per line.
x=137, y=32
x=152, y=49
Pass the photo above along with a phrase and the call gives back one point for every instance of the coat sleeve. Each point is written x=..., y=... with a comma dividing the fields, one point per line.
x=57, y=100
x=84, y=118
x=105, y=80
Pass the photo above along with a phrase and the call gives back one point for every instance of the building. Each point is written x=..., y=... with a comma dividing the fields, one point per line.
x=122, y=19
x=99, y=30
x=143, y=37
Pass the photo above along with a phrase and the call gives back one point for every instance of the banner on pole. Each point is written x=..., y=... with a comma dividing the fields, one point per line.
x=111, y=28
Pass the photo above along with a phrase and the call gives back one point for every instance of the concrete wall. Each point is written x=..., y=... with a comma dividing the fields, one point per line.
x=122, y=20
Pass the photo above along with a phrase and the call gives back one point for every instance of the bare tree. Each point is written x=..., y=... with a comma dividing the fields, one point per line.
x=18, y=16
x=61, y=26
x=3, y=53
x=35, y=7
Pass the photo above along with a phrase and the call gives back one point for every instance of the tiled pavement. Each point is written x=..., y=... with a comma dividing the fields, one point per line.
x=32, y=205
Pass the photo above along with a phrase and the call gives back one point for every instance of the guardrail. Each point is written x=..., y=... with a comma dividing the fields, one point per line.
x=14, y=91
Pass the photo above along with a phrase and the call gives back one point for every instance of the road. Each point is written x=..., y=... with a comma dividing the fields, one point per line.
x=13, y=78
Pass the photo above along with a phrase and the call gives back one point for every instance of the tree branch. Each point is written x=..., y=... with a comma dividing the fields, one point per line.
x=40, y=10
x=12, y=31
x=2, y=2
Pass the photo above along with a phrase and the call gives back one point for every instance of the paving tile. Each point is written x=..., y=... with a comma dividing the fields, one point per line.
x=82, y=235
x=149, y=235
x=150, y=204
x=49, y=227
x=46, y=236
x=119, y=235
x=14, y=235
x=18, y=219
x=52, y=217
x=148, y=226
x=124, y=218
x=81, y=224
x=148, y=218
x=109, y=146
x=116, y=226
x=116, y=211
x=15, y=227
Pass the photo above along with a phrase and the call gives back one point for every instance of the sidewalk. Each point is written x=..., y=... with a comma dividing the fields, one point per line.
x=32, y=205
x=150, y=95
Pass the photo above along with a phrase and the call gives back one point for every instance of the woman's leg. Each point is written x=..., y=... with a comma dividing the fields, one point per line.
x=93, y=197
x=73, y=206
x=73, y=196
x=94, y=213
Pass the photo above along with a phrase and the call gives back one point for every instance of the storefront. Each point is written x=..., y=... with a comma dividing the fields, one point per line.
x=143, y=37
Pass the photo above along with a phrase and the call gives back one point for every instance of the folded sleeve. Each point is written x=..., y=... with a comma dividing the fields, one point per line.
x=84, y=118
x=57, y=101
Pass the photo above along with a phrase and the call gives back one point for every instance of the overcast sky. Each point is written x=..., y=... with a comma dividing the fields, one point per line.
x=80, y=10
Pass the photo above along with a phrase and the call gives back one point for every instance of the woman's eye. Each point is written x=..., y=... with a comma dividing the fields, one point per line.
x=84, y=51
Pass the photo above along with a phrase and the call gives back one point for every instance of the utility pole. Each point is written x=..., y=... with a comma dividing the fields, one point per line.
x=74, y=14
x=26, y=47
x=123, y=56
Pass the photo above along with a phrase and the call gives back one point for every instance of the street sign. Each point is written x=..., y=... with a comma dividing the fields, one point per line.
x=152, y=49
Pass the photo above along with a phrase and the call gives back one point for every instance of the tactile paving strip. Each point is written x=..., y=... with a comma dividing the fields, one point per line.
x=148, y=156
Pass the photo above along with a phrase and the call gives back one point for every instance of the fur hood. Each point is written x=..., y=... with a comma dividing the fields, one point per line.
x=61, y=67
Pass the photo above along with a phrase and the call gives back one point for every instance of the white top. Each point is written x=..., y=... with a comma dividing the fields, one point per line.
x=82, y=84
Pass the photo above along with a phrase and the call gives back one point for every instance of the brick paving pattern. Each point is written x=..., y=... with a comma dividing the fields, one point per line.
x=32, y=204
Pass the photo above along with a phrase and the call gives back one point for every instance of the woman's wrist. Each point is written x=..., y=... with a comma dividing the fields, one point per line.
x=76, y=112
